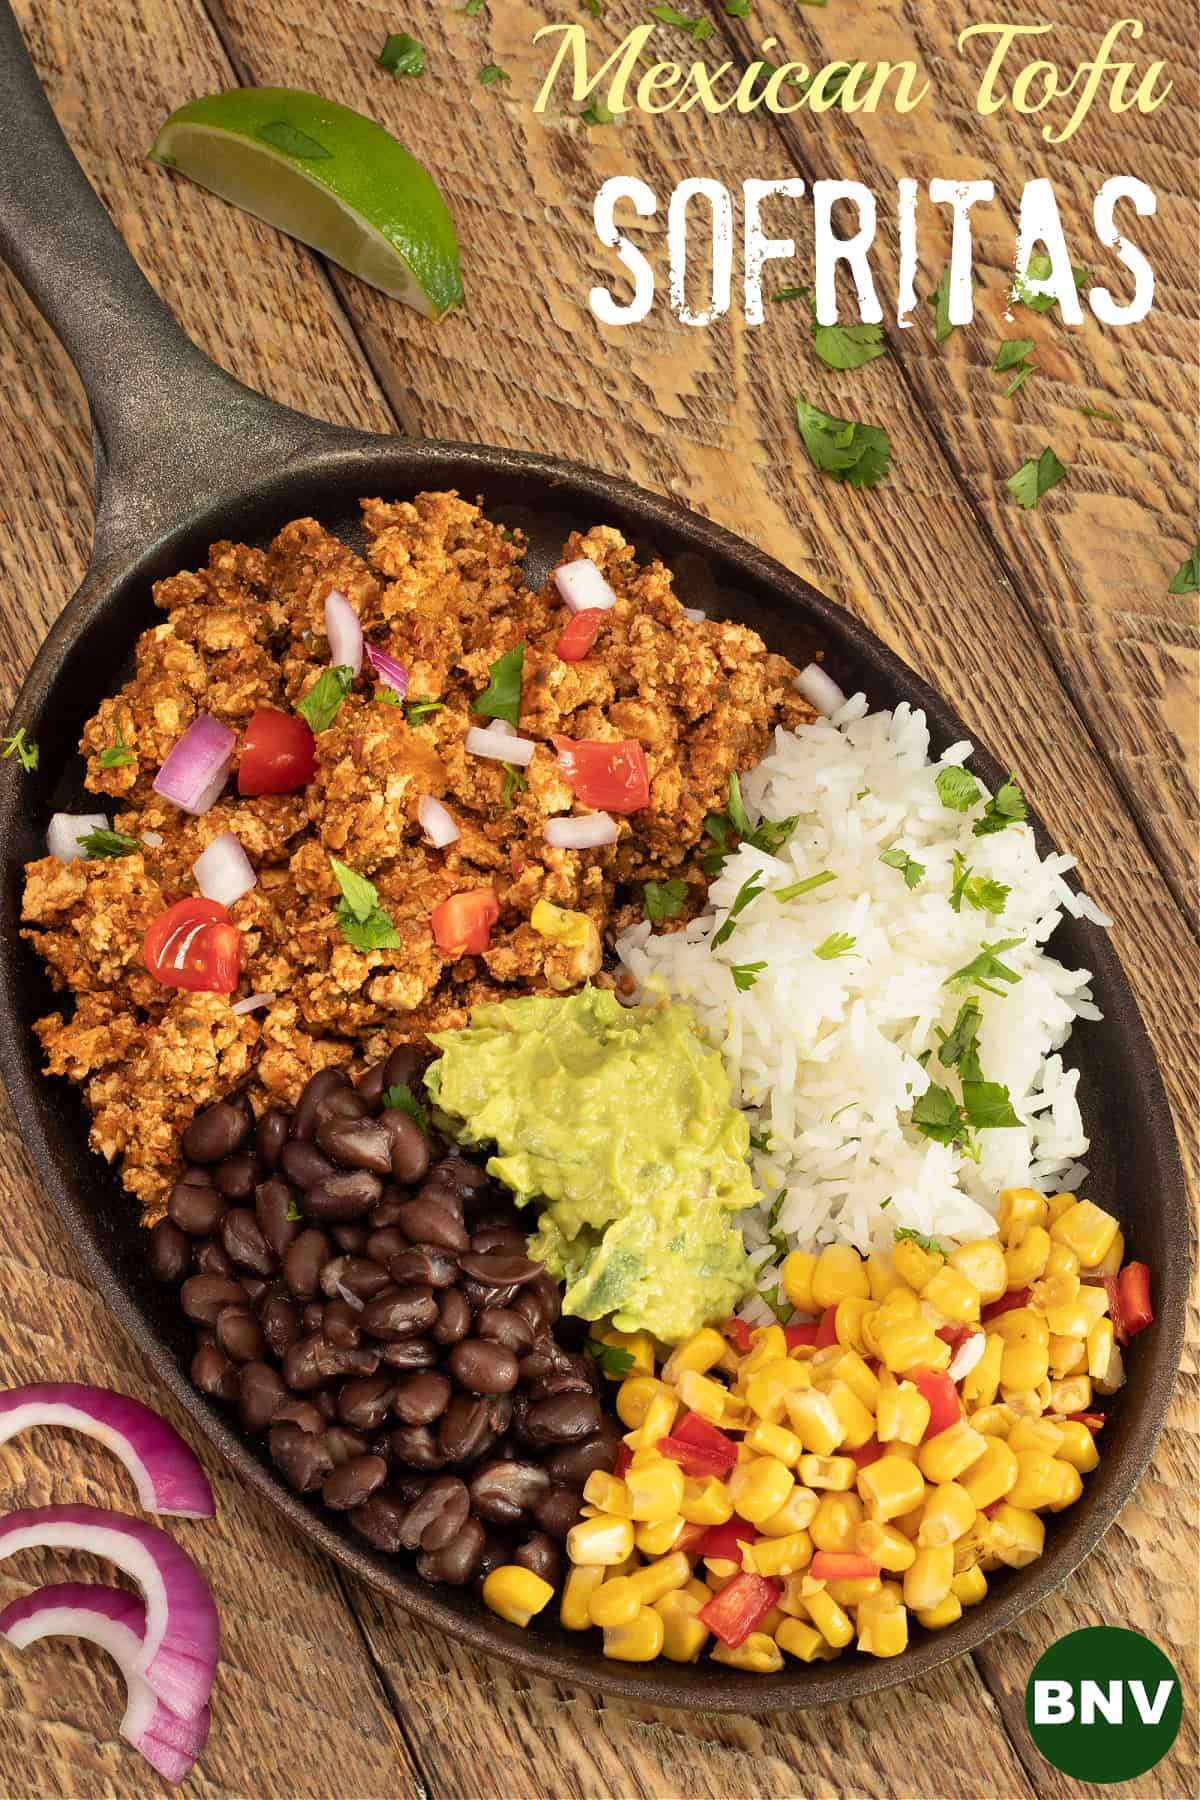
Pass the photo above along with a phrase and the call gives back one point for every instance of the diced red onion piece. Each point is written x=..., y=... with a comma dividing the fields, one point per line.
x=582, y=586
x=66, y=829
x=223, y=871
x=437, y=822
x=494, y=744
x=179, y=1652
x=197, y=768
x=967, y=1355
x=695, y=613
x=253, y=1002
x=503, y=727
x=391, y=673
x=586, y=832
x=820, y=690
x=344, y=632
x=152, y=839
x=168, y=1476
x=116, y=1621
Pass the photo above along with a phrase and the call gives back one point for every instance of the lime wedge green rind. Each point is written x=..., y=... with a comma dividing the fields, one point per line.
x=328, y=176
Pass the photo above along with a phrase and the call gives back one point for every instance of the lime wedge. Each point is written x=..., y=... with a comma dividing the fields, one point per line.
x=328, y=176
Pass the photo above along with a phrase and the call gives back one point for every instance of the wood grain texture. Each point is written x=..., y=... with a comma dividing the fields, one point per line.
x=1011, y=614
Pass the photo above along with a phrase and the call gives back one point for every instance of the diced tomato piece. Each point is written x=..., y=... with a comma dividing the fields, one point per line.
x=579, y=634
x=827, y=1329
x=954, y=1335
x=800, y=1334
x=607, y=777
x=841, y=1565
x=725, y=1541
x=694, y=1459
x=738, y=1333
x=279, y=753
x=1007, y=1303
x=692, y=1429
x=1092, y=1420
x=624, y=1458
x=196, y=946
x=463, y=924
x=742, y=1604
x=942, y=1395
x=866, y=1453
x=1129, y=1305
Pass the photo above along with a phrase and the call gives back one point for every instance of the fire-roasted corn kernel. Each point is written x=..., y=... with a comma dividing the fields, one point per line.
x=759, y=1653
x=634, y=1396
x=945, y=1456
x=516, y=1593
x=768, y=1388
x=849, y=1318
x=828, y=1472
x=909, y=1343
x=802, y=1640
x=982, y=1262
x=1024, y=1363
x=780, y=1555
x=891, y=1486
x=1018, y=1536
x=980, y=1386
x=1062, y=1260
x=607, y=1493
x=660, y=1577
x=839, y=1275
x=882, y=1277
x=859, y=1377
x=1072, y=1395
x=1020, y=1206
x=1111, y=1261
x=901, y=1411
x=996, y=1420
x=1025, y=1259
x=914, y=1264
x=759, y=1488
x=659, y=1536
x=656, y=1493
x=1101, y=1344
x=953, y=1294
x=639, y=1641
x=1087, y=1229
x=797, y=1276
x=1037, y=1482
x=700, y=1395
x=969, y=1586
x=882, y=1628
x=1036, y=1434
x=615, y=1603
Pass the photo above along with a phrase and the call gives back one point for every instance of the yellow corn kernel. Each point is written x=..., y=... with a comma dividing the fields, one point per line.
x=953, y=1294
x=944, y=1457
x=638, y=1344
x=656, y=1493
x=1062, y=1260
x=840, y=1274
x=615, y=1603
x=1078, y=1446
x=700, y=1354
x=1035, y=1434
x=1115, y=1377
x=797, y=1277
x=828, y=1472
x=634, y=1396
x=936, y=1618
x=1027, y=1403
x=896, y=1447
x=603, y=1540
x=759, y=1653
x=1018, y=1536
x=882, y=1278
x=848, y=1321
x=1087, y=1229
x=1025, y=1260
x=814, y=1420
x=578, y=1588
x=1068, y=1356
x=774, y=1440
x=973, y=1548
x=1037, y=1482
x=885, y=1545
x=1070, y=1484
x=779, y=1556
x=1069, y=1320
x=991, y=1477
x=994, y=1421
x=908, y=1344
x=802, y=1641
x=1054, y=1290
x=969, y=1587
x=645, y=1456
x=980, y=1387
x=927, y=1581
x=835, y=1521
x=607, y=1493
x=658, y=1578
x=902, y=1303
x=700, y=1395
x=1021, y=1325
x=1072, y=1395
x=891, y=1487
x=915, y=1265
x=1023, y=1364
x=882, y=1630
x=626, y=1566
x=1111, y=1261
x=705, y=1502
x=982, y=1262
x=1020, y=1206
x=683, y=1634
x=832, y=1623
x=718, y=1573
x=768, y=1344
x=901, y=1411
x=1058, y=1204
x=949, y=1511
x=768, y=1388
x=659, y=1536
x=639, y=1641
x=657, y=1420
x=1095, y=1299
x=796, y=1514
x=862, y=1381
x=759, y=1488
x=1101, y=1343
x=516, y=1593
x=858, y=1423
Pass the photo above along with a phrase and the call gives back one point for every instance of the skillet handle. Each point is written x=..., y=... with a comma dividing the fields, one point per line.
x=172, y=431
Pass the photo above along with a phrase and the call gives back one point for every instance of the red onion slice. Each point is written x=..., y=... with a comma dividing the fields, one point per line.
x=167, y=1475
x=65, y=831
x=223, y=871
x=499, y=747
x=437, y=823
x=391, y=673
x=588, y=832
x=582, y=586
x=178, y=1658
x=820, y=690
x=197, y=768
x=253, y=1003
x=344, y=632
x=116, y=1621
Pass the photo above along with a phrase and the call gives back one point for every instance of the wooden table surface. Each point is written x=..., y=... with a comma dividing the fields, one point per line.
x=1053, y=632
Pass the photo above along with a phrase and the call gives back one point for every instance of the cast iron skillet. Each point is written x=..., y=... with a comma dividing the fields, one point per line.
x=186, y=455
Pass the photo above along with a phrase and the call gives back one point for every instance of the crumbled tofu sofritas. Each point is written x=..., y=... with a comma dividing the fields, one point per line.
x=441, y=589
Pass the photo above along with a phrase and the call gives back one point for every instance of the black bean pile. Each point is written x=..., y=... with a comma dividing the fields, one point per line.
x=362, y=1295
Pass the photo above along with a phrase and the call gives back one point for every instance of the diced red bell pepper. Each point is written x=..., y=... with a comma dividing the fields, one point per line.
x=954, y=1335
x=866, y=1453
x=689, y=1538
x=462, y=925
x=579, y=634
x=942, y=1395
x=1006, y=1303
x=624, y=1458
x=827, y=1329
x=1092, y=1420
x=738, y=1333
x=692, y=1429
x=609, y=777
x=741, y=1605
x=1129, y=1301
x=725, y=1541
x=842, y=1565
x=801, y=1334
x=695, y=1459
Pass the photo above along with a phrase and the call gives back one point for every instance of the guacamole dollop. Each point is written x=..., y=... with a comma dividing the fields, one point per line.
x=617, y=1123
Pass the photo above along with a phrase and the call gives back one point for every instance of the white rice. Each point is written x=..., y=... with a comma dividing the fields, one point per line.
x=824, y=1054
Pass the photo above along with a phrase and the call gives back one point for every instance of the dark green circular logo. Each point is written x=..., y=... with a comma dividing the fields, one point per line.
x=1103, y=1704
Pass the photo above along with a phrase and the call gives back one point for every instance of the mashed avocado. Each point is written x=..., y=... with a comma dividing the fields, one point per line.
x=617, y=1124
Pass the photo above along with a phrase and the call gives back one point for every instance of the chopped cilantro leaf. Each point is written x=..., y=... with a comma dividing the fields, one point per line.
x=1011, y=353
x=696, y=29
x=501, y=698
x=293, y=1211
x=957, y=788
x=988, y=1105
x=737, y=9
x=107, y=843
x=937, y=1115
x=848, y=346
x=1186, y=579
x=958, y=1046
x=417, y=711
x=908, y=866
x=117, y=755
x=514, y=781
x=1006, y=807
x=838, y=943
x=760, y=1141
x=739, y=818
x=1035, y=478
x=781, y=1307
x=610, y=1359
x=768, y=835
x=365, y=924
x=796, y=888
x=23, y=748
x=473, y=7
x=987, y=968
x=663, y=900
x=1098, y=412
x=745, y=975
x=788, y=293
x=859, y=454
x=940, y=302
x=595, y=7
x=402, y=1099
x=490, y=74
x=597, y=114
x=1039, y=269
x=750, y=889
x=402, y=55
x=320, y=705
x=978, y=892
x=928, y=1244
x=1022, y=375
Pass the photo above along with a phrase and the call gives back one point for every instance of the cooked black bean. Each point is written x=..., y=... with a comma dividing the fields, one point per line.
x=437, y=1193
x=255, y=1287
x=454, y=1317
x=499, y=1268
x=427, y=1223
x=550, y=1296
x=347, y=1195
x=548, y=1357
x=194, y=1176
x=244, y=1242
x=497, y=1551
x=400, y=1312
x=565, y=1419
x=277, y=1213
x=408, y=1149
x=214, y=1373
x=318, y=1087
x=504, y=1326
x=573, y=1463
x=196, y=1210
x=303, y=1413
x=405, y=1066
x=365, y=1402
x=260, y=1395
x=558, y=1510
x=302, y=1457
x=203, y=1297
x=357, y=1278
x=410, y=1353
x=466, y=1178
x=270, y=1135
x=566, y=1381
x=416, y=1447
x=423, y=1520
x=386, y=1210
x=169, y=1252
x=421, y=1397
x=466, y=1428
x=356, y=1144
x=239, y=1334
x=457, y=1562
x=342, y=1104
x=370, y=1085
x=503, y=1491
x=340, y=1325
x=483, y=1366
x=350, y=1238
x=211, y=1258
x=354, y=1482
x=499, y=1237
x=313, y=1360
x=385, y=1241
x=313, y=1316
x=529, y=1304
x=304, y=1165
x=216, y=1133
x=280, y=1320
x=303, y=1261
x=541, y=1554
x=344, y=1443
x=236, y=1176
x=424, y=1265
x=325, y=1401
x=479, y=1294
x=379, y=1520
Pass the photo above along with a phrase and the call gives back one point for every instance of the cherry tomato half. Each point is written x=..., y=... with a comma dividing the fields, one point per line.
x=607, y=777
x=279, y=754
x=196, y=946
x=463, y=924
